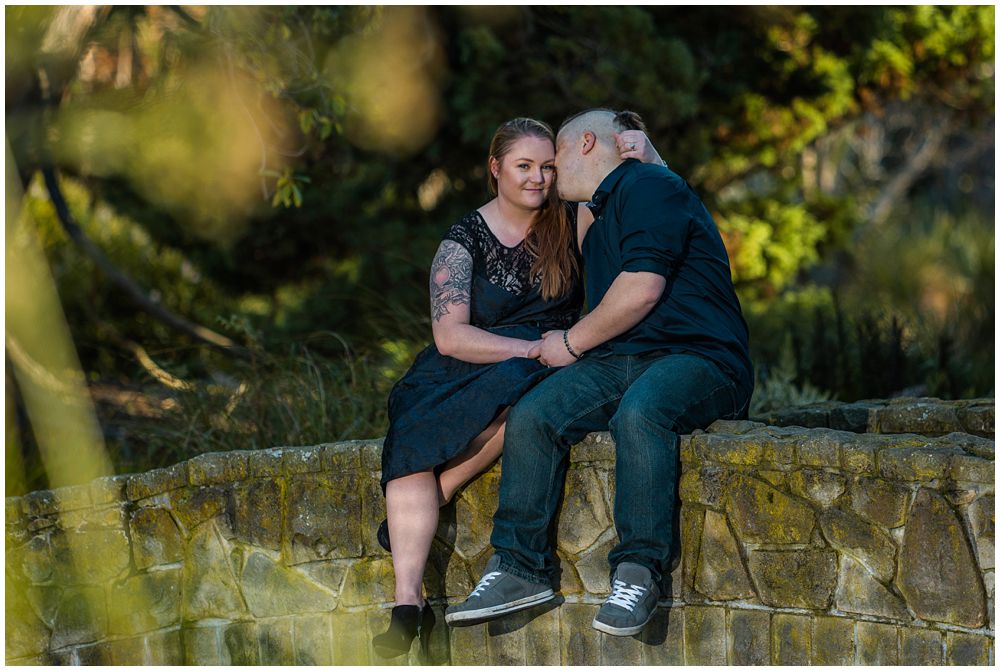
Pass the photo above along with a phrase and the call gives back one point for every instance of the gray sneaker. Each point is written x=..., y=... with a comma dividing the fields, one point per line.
x=631, y=604
x=497, y=593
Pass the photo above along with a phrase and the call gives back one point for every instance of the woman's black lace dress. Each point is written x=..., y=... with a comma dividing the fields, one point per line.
x=442, y=403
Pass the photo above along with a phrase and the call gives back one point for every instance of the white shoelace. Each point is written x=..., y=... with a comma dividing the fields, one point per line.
x=484, y=582
x=626, y=596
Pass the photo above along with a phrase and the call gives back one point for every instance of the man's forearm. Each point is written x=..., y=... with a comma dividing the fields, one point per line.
x=627, y=302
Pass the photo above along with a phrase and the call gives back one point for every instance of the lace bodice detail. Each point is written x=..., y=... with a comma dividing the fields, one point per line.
x=506, y=267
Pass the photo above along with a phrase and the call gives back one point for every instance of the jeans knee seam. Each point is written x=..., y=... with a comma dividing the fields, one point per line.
x=588, y=411
x=706, y=397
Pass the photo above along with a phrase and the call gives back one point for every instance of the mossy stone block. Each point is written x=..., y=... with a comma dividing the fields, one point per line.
x=858, y=455
x=156, y=539
x=791, y=639
x=663, y=637
x=210, y=590
x=25, y=634
x=240, y=644
x=877, y=644
x=832, y=641
x=920, y=647
x=858, y=591
x=217, y=467
x=704, y=635
x=369, y=581
x=164, y=648
x=938, y=575
x=720, y=574
x=256, y=513
x=749, y=637
x=324, y=517
x=762, y=513
x=968, y=649
x=580, y=643
x=929, y=417
x=351, y=638
x=879, y=501
x=82, y=617
x=865, y=542
x=193, y=506
x=595, y=447
x=145, y=602
x=820, y=448
x=915, y=464
x=272, y=590
x=313, y=635
x=706, y=485
x=820, y=487
x=275, y=638
x=794, y=578
x=585, y=515
x=145, y=485
x=307, y=459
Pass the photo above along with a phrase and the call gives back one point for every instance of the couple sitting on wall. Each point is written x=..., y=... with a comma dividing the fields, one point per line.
x=513, y=368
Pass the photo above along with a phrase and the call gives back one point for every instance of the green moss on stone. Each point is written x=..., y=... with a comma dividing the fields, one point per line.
x=791, y=639
x=832, y=641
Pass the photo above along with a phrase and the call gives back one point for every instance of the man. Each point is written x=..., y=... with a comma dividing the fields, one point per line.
x=663, y=351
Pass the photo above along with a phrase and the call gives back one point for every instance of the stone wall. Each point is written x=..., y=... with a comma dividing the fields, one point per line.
x=926, y=416
x=798, y=546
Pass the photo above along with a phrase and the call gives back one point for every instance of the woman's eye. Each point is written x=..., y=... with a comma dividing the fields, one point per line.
x=550, y=168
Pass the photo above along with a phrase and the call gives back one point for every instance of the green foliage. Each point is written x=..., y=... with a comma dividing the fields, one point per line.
x=295, y=397
x=779, y=390
x=917, y=314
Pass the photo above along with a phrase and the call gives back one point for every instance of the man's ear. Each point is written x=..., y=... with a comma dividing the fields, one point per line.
x=589, y=141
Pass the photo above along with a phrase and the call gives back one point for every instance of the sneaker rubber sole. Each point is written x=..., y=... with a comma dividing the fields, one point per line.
x=621, y=631
x=466, y=616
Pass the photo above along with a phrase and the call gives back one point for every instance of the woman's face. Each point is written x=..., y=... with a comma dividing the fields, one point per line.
x=526, y=172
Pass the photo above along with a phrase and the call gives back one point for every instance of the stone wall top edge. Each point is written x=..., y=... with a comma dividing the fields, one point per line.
x=227, y=466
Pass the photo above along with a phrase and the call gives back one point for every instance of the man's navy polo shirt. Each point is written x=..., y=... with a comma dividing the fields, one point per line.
x=647, y=218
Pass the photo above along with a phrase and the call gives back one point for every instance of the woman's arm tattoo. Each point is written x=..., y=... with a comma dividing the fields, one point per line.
x=451, y=278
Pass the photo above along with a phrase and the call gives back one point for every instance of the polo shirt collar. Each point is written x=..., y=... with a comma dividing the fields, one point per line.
x=600, y=197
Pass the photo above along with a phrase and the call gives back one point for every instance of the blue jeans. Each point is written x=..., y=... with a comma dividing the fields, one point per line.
x=646, y=400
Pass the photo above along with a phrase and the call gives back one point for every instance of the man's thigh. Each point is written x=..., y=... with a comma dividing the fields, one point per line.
x=681, y=392
x=578, y=398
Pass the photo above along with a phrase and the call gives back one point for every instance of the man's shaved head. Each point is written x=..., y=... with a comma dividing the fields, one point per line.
x=600, y=122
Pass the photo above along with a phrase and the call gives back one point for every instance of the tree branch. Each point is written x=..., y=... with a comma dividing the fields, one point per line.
x=879, y=209
x=124, y=282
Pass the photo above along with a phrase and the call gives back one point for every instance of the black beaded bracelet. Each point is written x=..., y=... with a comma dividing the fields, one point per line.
x=568, y=348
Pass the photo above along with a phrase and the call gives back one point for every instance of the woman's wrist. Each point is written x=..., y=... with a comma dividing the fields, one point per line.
x=524, y=348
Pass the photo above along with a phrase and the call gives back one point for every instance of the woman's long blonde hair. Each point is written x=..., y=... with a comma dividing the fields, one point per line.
x=550, y=238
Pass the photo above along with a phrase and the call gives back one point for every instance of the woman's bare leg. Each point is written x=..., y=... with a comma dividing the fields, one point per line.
x=483, y=451
x=411, y=504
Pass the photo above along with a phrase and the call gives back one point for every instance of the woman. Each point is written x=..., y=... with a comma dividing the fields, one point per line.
x=503, y=275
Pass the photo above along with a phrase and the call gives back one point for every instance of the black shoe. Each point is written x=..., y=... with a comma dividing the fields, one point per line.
x=408, y=622
x=383, y=536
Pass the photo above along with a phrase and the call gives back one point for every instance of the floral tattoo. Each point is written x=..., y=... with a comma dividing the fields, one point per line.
x=451, y=278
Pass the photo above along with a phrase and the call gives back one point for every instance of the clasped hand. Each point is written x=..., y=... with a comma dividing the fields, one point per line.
x=551, y=350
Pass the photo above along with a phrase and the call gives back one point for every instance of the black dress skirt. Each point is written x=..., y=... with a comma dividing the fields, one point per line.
x=443, y=403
